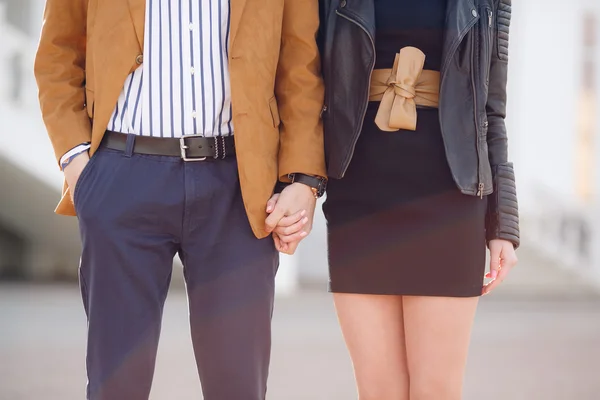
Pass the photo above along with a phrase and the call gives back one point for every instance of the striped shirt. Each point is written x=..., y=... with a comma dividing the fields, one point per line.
x=183, y=87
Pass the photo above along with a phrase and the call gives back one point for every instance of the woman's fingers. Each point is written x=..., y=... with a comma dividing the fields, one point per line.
x=284, y=231
x=290, y=230
x=290, y=220
x=493, y=284
x=295, y=237
x=279, y=245
x=495, y=254
x=503, y=259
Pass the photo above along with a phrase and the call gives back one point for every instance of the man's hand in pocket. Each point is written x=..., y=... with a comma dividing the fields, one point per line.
x=74, y=169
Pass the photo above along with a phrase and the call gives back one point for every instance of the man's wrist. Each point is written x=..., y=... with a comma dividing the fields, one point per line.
x=279, y=186
x=72, y=154
x=316, y=183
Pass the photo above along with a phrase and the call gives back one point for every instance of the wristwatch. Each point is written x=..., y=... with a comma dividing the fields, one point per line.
x=316, y=183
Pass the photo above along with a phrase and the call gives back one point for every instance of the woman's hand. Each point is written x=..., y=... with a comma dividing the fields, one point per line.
x=502, y=259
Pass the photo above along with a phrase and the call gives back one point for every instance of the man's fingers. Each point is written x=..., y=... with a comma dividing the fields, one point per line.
x=273, y=219
x=272, y=202
x=291, y=219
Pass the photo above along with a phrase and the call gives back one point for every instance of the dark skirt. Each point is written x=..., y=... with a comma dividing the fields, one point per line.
x=397, y=223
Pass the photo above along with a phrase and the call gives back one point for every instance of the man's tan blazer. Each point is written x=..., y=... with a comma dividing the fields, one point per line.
x=89, y=47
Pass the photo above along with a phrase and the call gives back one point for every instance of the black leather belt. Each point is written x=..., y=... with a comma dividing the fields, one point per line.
x=189, y=148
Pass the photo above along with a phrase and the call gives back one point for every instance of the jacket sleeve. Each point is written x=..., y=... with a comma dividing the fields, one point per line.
x=299, y=91
x=60, y=74
x=502, y=220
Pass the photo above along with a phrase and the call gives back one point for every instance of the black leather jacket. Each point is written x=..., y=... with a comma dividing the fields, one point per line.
x=472, y=96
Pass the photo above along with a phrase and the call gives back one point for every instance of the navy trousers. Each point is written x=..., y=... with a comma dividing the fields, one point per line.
x=135, y=213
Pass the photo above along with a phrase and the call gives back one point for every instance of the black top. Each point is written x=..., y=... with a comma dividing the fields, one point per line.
x=417, y=23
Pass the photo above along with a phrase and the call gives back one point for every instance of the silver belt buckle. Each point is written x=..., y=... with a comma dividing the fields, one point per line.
x=184, y=147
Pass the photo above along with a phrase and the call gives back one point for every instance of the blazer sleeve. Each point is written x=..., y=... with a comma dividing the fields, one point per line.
x=502, y=221
x=299, y=91
x=60, y=73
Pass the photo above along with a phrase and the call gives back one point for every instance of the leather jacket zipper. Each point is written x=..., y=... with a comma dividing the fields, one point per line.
x=323, y=110
x=364, y=112
x=443, y=70
x=480, y=185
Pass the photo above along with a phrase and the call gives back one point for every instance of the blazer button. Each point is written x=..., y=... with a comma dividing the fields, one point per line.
x=139, y=59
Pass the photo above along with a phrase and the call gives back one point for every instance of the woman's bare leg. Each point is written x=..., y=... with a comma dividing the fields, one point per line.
x=373, y=329
x=437, y=333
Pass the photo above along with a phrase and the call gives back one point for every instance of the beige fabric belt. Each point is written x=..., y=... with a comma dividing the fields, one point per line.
x=403, y=88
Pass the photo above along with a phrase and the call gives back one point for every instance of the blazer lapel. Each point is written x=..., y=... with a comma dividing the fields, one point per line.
x=236, y=10
x=137, y=8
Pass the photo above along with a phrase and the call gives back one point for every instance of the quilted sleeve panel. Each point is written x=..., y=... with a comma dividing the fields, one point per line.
x=503, y=27
x=502, y=221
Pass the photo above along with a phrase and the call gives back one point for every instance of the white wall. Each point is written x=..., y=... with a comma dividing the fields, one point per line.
x=544, y=83
x=546, y=78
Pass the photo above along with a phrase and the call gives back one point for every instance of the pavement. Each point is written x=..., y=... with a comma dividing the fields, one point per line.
x=537, y=338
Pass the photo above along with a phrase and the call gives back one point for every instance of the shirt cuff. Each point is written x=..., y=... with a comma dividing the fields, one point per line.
x=73, y=152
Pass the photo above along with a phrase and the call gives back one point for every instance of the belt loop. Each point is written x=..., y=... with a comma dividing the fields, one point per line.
x=129, y=145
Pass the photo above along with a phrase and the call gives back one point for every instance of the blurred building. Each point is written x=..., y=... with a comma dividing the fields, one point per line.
x=33, y=241
x=553, y=121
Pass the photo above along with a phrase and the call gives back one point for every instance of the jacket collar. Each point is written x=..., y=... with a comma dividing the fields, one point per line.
x=137, y=9
x=459, y=15
x=361, y=11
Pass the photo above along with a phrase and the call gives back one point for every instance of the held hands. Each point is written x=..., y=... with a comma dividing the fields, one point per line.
x=290, y=216
x=74, y=169
x=503, y=259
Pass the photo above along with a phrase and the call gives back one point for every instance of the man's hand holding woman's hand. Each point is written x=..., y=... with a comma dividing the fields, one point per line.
x=290, y=216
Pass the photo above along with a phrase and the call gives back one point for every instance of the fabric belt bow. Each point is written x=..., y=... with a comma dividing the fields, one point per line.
x=402, y=88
